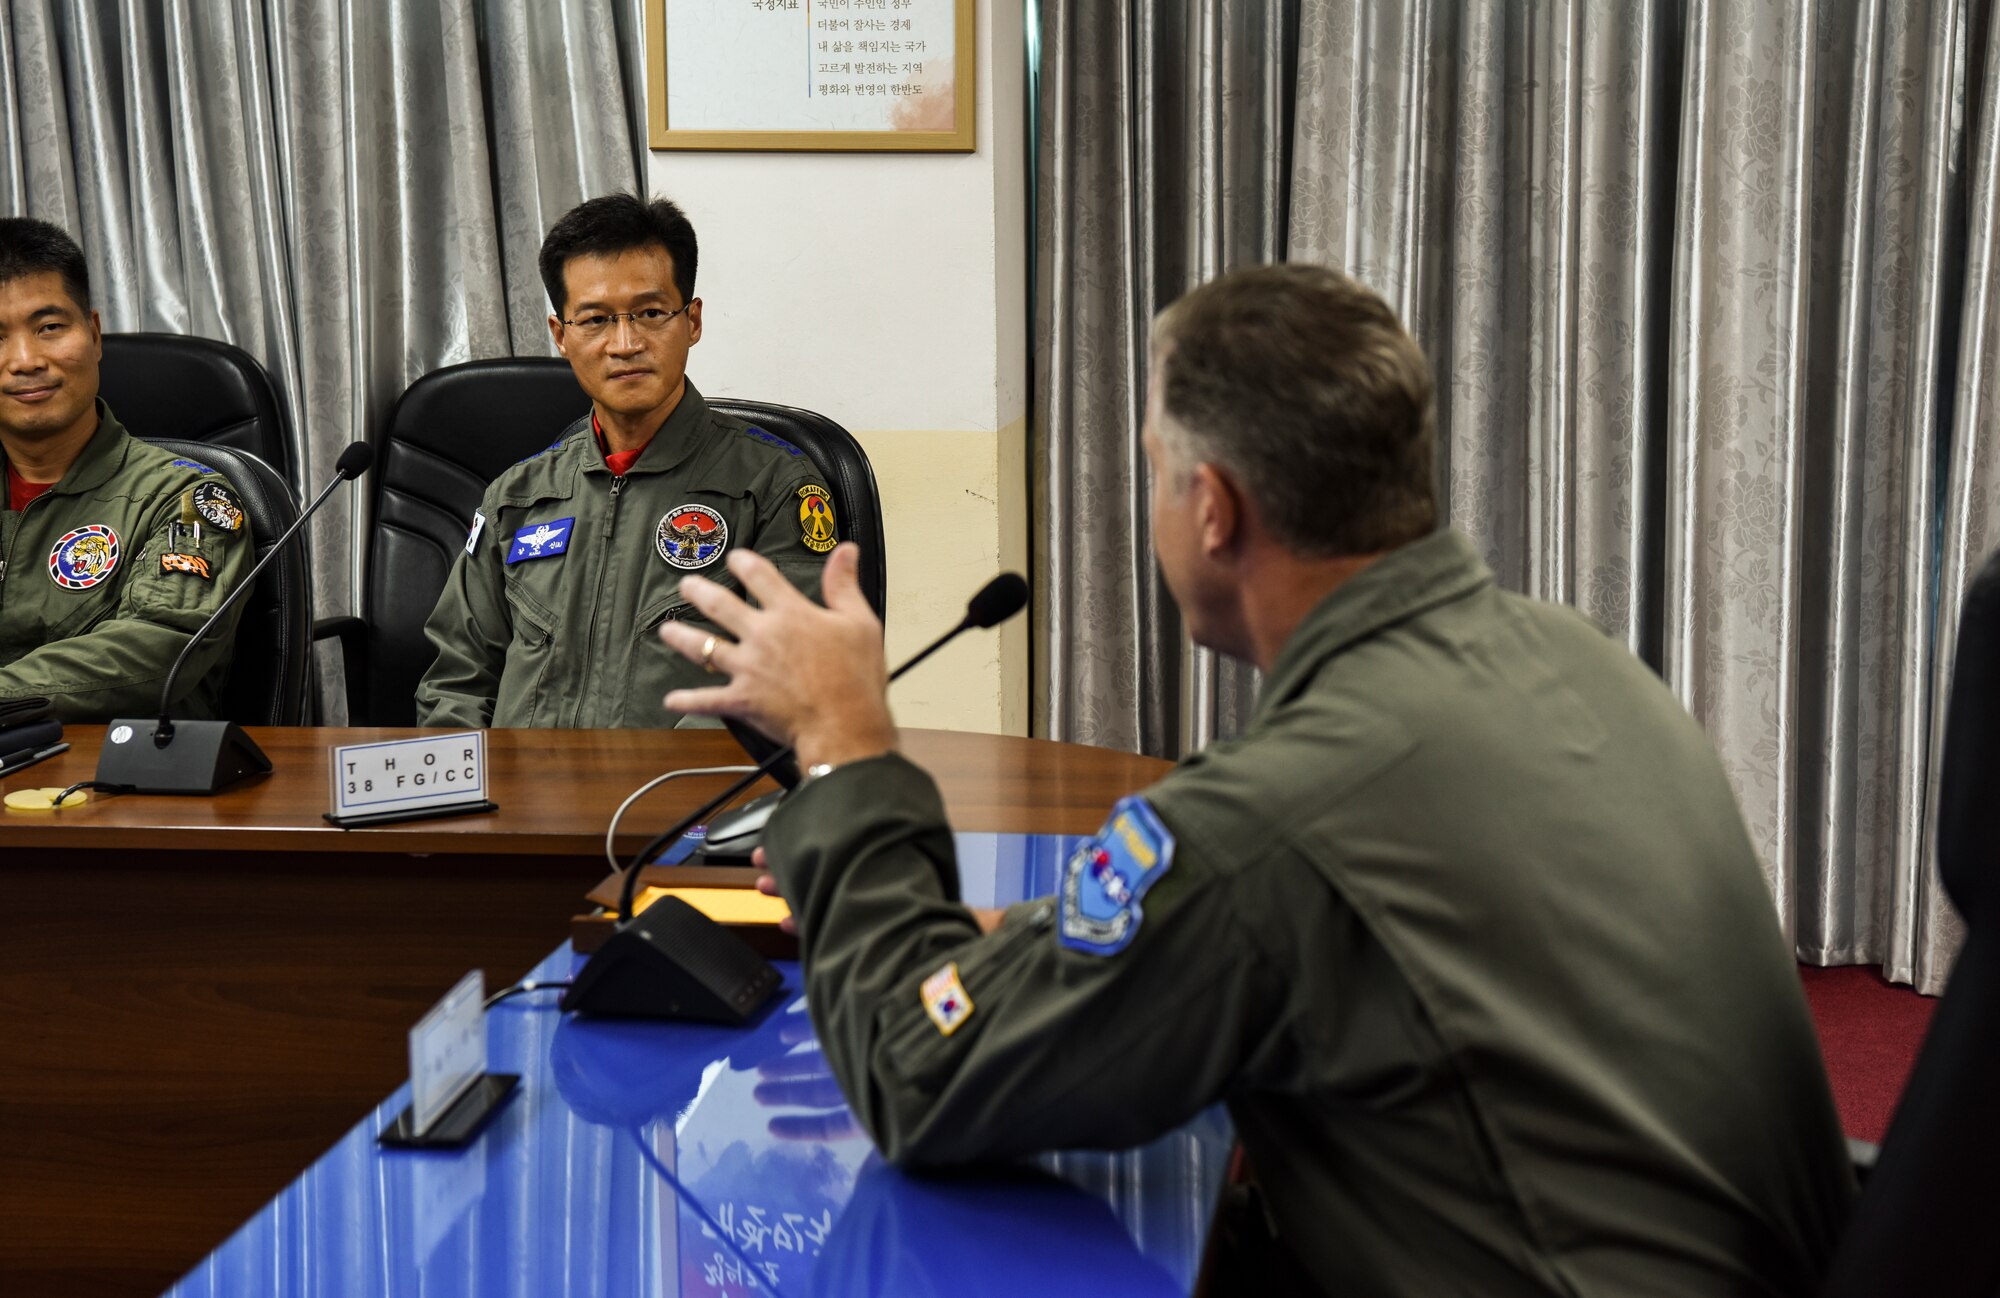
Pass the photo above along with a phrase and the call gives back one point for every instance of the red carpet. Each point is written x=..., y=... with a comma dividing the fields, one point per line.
x=1869, y=1031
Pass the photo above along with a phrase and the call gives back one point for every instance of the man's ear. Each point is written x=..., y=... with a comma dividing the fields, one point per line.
x=555, y=332
x=1218, y=508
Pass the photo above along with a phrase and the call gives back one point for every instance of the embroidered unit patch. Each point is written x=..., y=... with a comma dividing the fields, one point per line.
x=770, y=439
x=191, y=464
x=84, y=558
x=1108, y=875
x=540, y=540
x=218, y=506
x=692, y=536
x=192, y=564
x=945, y=999
x=816, y=519
x=478, y=526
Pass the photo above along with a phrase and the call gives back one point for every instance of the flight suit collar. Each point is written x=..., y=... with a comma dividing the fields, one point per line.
x=676, y=441
x=1414, y=579
x=103, y=456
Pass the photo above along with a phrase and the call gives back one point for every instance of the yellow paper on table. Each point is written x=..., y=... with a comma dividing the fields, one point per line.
x=723, y=905
x=43, y=799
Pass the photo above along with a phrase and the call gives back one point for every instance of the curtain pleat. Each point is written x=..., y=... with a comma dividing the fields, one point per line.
x=1707, y=286
x=1162, y=162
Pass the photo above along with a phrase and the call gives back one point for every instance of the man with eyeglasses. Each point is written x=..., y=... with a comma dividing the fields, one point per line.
x=576, y=554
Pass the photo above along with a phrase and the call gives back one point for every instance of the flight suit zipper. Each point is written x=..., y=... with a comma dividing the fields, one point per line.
x=605, y=554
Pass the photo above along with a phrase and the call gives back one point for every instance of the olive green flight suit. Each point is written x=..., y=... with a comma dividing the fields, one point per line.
x=1466, y=930
x=542, y=624
x=91, y=615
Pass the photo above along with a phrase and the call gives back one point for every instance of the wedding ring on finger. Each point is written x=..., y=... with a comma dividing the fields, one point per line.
x=708, y=657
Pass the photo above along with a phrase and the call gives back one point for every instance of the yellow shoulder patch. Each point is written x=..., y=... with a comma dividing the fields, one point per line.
x=816, y=526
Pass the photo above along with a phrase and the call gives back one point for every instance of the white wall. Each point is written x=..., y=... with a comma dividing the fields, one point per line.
x=889, y=292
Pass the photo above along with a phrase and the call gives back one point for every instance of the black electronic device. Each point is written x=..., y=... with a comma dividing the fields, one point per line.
x=673, y=962
x=685, y=965
x=161, y=755
x=735, y=834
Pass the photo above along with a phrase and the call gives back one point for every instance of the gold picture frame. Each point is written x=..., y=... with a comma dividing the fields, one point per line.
x=663, y=134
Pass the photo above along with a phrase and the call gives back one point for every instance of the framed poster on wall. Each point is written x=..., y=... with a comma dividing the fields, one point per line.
x=810, y=74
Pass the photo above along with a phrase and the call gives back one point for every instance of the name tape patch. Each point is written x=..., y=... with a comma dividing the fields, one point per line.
x=540, y=540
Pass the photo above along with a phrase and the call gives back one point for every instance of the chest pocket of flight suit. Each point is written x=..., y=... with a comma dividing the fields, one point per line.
x=524, y=698
x=916, y=1049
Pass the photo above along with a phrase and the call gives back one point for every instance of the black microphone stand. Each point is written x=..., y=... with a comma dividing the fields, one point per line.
x=201, y=757
x=674, y=962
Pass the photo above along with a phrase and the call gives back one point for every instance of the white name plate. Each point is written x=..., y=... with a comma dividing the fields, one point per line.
x=447, y=1051
x=401, y=775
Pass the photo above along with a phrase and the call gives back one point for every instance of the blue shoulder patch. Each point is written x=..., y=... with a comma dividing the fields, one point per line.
x=1109, y=874
x=190, y=464
x=771, y=439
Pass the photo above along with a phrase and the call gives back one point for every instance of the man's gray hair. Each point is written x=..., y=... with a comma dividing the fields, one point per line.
x=1301, y=384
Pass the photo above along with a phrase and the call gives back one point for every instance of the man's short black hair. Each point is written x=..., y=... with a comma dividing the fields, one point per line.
x=30, y=247
x=618, y=223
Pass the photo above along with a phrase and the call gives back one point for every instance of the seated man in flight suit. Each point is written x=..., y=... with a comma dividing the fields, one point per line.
x=112, y=552
x=577, y=553
x=1466, y=928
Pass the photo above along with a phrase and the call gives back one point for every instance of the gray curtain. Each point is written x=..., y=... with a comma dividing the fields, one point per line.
x=351, y=190
x=1710, y=292
x=1164, y=139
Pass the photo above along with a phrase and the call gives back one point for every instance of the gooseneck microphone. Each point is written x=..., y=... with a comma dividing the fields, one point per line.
x=674, y=962
x=202, y=756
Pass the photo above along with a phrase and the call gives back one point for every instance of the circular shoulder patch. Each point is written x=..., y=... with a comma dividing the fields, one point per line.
x=84, y=557
x=816, y=527
x=692, y=536
x=218, y=506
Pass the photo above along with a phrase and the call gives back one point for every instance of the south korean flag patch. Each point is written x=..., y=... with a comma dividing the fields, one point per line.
x=1108, y=875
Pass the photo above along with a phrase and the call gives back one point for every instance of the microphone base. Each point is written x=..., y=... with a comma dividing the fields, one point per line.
x=673, y=962
x=203, y=756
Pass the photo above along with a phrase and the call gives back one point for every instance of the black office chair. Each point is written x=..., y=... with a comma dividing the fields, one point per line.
x=1925, y=1219
x=195, y=390
x=451, y=434
x=270, y=676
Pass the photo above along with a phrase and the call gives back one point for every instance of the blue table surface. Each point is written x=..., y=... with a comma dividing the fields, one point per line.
x=685, y=1159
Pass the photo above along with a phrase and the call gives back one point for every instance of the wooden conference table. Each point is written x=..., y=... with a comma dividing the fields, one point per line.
x=199, y=995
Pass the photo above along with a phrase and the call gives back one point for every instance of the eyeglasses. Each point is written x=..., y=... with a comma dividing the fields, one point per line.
x=649, y=320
